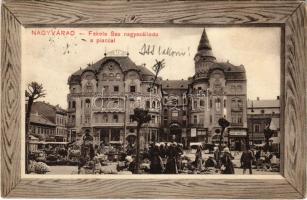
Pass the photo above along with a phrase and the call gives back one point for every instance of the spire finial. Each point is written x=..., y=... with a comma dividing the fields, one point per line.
x=204, y=43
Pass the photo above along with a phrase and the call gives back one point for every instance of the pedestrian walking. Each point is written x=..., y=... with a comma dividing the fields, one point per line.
x=156, y=165
x=226, y=162
x=246, y=160
x=258, y=158
x=171, y=163
x=199, y=159
x=217, y=157
x=179, y=153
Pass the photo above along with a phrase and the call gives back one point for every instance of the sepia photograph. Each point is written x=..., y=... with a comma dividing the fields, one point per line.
x=127, y=101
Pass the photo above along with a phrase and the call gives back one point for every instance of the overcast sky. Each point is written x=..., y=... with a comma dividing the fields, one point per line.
x=50, y=59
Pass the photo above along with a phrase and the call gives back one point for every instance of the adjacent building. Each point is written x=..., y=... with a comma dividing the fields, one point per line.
x=41, y=127
x=50, y=115
x=175, y=111
x=103, y=95
x=263, y=113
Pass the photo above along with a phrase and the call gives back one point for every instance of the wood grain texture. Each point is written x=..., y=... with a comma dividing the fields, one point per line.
x=183, y=189
x=10, y=102
x=295, y=100
x=150, y=12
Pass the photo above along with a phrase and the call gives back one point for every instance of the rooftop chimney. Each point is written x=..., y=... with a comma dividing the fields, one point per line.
x=277, y=97
x=258, y=98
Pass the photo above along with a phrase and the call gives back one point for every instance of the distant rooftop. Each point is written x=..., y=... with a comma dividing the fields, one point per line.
x=40, y=119
x=265, y=103
x=175, y=84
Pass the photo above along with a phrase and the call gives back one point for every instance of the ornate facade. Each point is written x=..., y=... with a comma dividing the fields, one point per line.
x=103, y=95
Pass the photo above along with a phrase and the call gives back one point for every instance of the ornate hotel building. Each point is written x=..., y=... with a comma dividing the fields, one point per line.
x=217, y=90
x=103, y=95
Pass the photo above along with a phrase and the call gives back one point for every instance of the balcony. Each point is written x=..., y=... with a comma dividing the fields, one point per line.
x=71, y=124
x=111, y=110
x=71, y=110
x=196, y=125
x=236, y=124
x=108, y=124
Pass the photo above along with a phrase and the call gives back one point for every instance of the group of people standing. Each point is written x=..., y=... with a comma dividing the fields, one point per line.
x=165, y=158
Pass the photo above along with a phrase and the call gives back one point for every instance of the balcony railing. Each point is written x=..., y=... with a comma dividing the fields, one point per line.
x=114, y=94
x=108, y=124
x=196, y=125
x=236, y=124
x=71, y=124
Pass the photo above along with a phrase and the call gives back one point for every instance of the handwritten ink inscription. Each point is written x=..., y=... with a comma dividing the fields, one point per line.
x=148, y=49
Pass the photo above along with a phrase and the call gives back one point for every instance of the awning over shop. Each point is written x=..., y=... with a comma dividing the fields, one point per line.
x=237, y=133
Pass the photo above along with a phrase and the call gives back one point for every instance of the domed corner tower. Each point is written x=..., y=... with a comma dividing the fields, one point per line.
x=204, y=57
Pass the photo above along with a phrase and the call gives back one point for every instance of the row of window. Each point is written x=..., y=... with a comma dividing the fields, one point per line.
x=60, y=121
x=235, y=119
x=72, y=104
x=61, y=131
x=42, y=130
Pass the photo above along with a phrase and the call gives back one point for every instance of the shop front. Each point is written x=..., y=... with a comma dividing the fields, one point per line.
x=237, y=139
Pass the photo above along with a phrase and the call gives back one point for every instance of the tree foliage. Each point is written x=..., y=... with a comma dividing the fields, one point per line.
x=141, y=116
x=34, y=91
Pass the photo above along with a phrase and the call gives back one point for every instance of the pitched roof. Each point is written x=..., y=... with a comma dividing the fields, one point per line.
x=40, y=119
x=47, y=110
x=175, y=84
x=266, y=103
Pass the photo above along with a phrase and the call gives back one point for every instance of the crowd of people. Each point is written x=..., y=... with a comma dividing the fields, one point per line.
x=168, y=158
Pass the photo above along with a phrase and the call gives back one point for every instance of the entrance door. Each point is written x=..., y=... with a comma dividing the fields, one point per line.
x=104, y=136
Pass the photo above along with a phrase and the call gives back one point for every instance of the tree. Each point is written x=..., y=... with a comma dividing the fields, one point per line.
x=33, y=92
x=141, y=116
x=224, y=124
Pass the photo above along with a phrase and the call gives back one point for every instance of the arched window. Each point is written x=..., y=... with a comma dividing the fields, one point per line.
x=147, y=104
x=115, y=118
x=218, y=104
x=87, y=103
x=236, y=103
x=105, y=118
x=88, y=87
x=202, y=103
x=73, y=104
x=158, y=104
x=195, y=119
x=111, y=75
x=195, y=104
x=153, y=105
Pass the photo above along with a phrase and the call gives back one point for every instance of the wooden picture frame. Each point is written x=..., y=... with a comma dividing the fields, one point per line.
x=290, y=16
